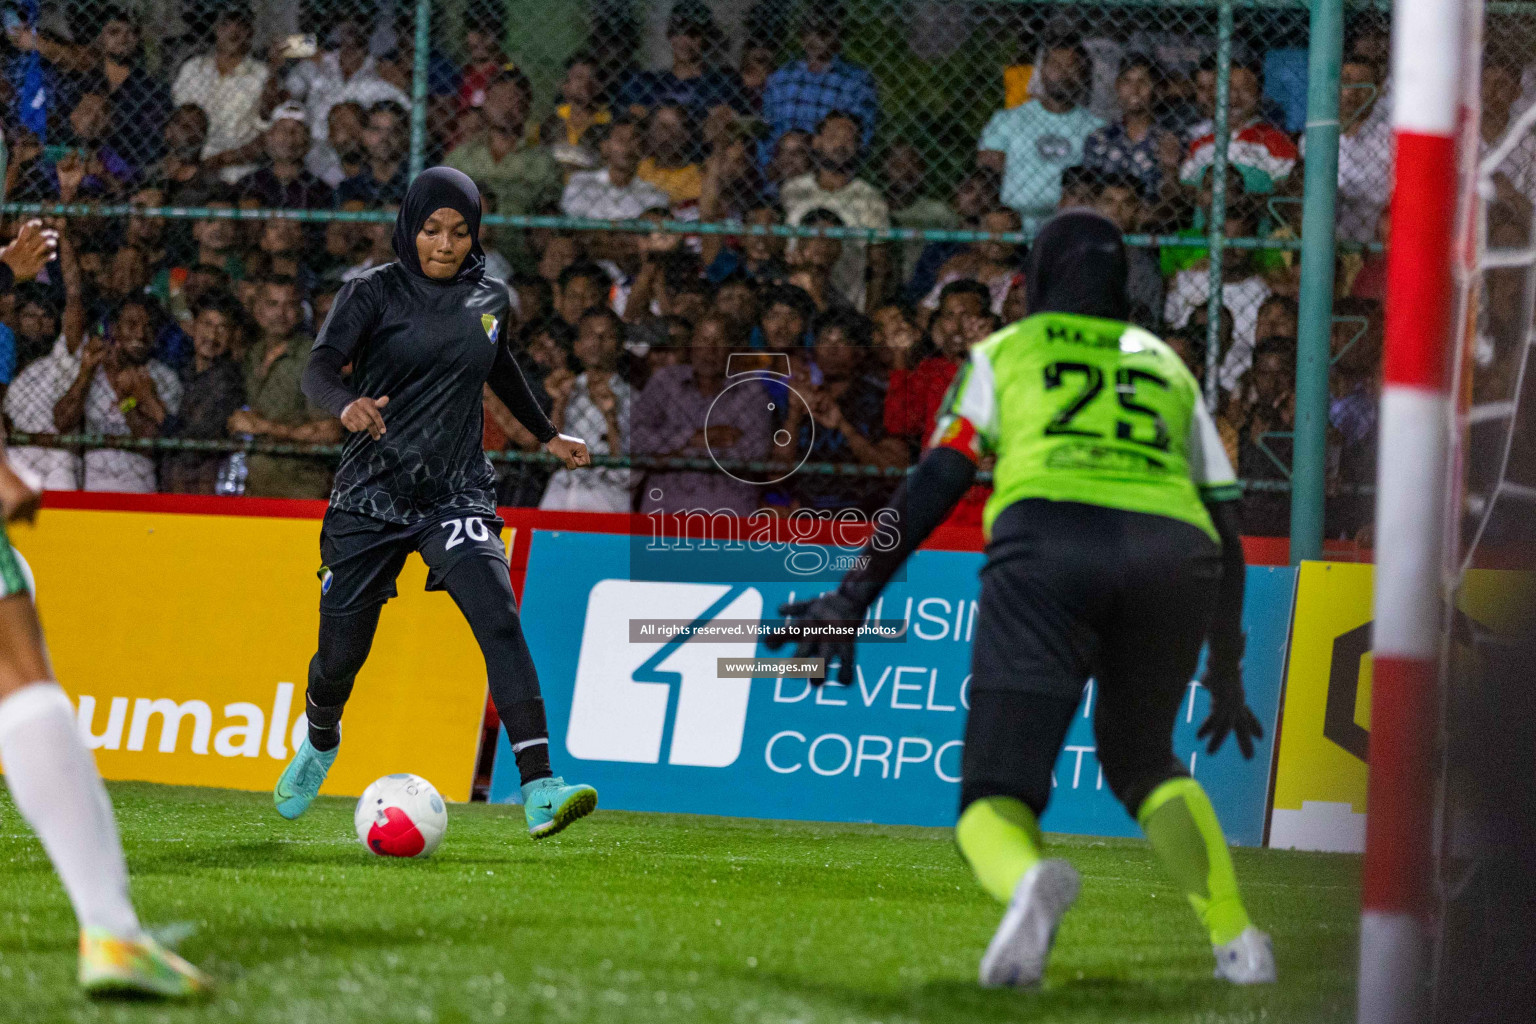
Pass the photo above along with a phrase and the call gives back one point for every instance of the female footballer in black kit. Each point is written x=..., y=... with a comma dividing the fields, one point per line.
x=424, y=335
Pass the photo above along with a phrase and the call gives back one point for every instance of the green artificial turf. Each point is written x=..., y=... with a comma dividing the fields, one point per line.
x=641, y=917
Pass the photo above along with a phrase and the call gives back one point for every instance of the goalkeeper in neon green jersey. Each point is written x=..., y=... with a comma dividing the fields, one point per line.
x=1113, y=553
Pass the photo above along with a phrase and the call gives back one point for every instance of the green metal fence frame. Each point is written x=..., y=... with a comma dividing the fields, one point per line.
x=1315, y=306
x=679, y=227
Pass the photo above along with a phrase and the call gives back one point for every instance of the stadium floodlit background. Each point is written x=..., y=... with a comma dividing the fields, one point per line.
x=693, y=166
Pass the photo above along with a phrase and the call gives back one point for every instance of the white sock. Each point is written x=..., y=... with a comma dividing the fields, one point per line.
x=54, y=781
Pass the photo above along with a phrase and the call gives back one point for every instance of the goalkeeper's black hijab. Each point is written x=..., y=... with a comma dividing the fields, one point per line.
x=1078, y=265
x=434, y=189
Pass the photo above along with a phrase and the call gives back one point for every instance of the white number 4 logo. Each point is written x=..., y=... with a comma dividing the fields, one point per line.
x=649, y=702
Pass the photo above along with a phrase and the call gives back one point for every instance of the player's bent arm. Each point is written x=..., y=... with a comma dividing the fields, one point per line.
x=508, y=384
x=352, y=317
x=322, y=382
x=1212, y=474
x=919, y=505
x=925, y=498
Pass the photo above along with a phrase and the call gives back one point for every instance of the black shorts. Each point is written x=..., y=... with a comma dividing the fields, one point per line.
x=361, y=556
x=1072, y=590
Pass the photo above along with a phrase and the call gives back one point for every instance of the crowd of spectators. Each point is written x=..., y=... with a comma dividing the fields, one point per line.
x=150, y=327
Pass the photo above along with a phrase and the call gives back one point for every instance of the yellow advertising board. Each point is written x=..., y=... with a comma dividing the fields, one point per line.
x=1320, y=770
x=185, y=641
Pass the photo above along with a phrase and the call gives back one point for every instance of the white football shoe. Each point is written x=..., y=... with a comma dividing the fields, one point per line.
x=1248, y=959
x=1016, y=956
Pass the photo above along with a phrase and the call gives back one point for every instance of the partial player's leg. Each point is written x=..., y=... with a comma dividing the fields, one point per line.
x=1011, y=743
x=53, y=779
x=468, y=561
x=1034, y=646
x=1149, y=658
x=360, y=557
x=345, y=640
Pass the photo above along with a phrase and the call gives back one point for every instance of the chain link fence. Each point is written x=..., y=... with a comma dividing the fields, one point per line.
x=847, y=186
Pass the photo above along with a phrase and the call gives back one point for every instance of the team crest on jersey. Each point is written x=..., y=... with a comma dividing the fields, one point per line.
x=491, y=326
x=326, y=579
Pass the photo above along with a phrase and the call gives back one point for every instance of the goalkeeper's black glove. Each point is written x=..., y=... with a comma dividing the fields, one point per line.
x=832, y=607
x=1229, y=708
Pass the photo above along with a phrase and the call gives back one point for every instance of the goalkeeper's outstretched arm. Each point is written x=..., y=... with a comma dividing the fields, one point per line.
x=1224, y=663
x=920, y=504
x=1226, y=633
x=923, y=500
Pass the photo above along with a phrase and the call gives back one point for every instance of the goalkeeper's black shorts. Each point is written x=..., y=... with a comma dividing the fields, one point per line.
x=1072, y=590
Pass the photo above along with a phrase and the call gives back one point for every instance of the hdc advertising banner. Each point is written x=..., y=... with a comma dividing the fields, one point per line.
x=654, y=727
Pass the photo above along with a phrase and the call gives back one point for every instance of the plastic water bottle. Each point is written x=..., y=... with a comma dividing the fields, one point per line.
x=232, y=473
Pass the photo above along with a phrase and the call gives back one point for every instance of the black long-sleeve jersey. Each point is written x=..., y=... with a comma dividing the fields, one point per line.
x=430, y=347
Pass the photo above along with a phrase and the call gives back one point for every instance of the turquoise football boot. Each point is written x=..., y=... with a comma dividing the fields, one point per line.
x=300, y=782
x=550, y=805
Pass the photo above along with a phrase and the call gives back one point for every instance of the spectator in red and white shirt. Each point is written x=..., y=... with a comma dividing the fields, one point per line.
x=1261, y=152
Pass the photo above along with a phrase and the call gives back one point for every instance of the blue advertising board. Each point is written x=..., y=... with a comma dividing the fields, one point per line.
x=654, y=727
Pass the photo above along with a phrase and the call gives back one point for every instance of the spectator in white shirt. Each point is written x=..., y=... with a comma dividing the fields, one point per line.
x=347, y=73
x=594, y=405
x=1243, y=291
x=614, y=193
x=120, y=391
x=29, y=406
x=1365, y=150
x=32, y=396
x=862, y=270
x=227, y=84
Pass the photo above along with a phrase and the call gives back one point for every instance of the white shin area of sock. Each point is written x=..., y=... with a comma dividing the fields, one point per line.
x=54, y=781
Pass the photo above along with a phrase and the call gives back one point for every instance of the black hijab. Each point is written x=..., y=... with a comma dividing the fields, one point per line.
x=434, y=189
x=1078, y=265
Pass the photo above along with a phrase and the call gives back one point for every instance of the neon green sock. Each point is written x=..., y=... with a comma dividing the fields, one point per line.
x=1001, y=840
x=1181, y=823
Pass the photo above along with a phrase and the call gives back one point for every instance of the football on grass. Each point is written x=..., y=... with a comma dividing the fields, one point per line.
x=401, y=816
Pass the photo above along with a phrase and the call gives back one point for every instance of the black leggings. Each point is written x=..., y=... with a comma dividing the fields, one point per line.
x=1012, y=741
x=483, y=592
